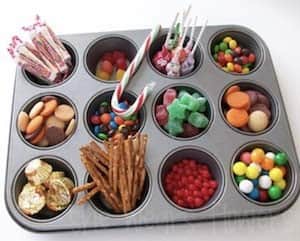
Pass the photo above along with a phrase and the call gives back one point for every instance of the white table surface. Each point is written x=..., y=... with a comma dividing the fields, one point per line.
x=277, y=22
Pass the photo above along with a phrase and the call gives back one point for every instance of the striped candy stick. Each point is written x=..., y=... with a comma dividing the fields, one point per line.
x=137, y=105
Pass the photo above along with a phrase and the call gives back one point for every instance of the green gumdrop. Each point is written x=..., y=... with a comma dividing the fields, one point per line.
x=196, y=95
x=181, y=93
x=190, y=102
x=223, y=46
x=238, y=179
x=281, y=159
x=177, y=110
x=202, y=101
x=198, y=120
x=216, y=49
x=174, y=127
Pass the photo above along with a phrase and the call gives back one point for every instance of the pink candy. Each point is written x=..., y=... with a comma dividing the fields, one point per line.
x=169, y=96
x=161, y=115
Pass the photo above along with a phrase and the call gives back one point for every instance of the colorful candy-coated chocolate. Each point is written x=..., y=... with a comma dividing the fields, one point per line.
x=95, y=120
x=102, y=136
x=113, y=125
x=105, y=118
x=97, y=130
x=123, y=105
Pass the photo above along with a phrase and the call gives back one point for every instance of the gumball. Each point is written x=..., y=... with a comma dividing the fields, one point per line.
x=227, y=39
x=264, y=182
x=281, y=184
x=251, y=58
x=270, y=155
x=255, y=182
x=281, y=159
x=246, y=186
x=276, y=174
x=106, y=66
x=119, y=74
x=283, y=169
x=239, y=168
x=267, y=164
x=274, y=192
x=257, y=166
x=257, y=155
x=246, y=157
x=252, y=172
x=258, y=121
x=238, y=179
x=254, y=194
x=263, y=196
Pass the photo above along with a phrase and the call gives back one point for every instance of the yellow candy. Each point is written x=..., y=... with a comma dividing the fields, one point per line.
x=230, y=66
x=281, y=184
x=257, y=155
x=252, y=172
x=102, y=75
x=245, y=70
x=276, y=174
x=239, y=168
x=227, y=39
x=232, y=44
x=121, y=126
x=225, y=69
x=119, y=74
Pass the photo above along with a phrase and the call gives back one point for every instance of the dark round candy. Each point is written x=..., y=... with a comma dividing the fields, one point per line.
x=111, y=133
x=245, y=52
x=263, y=99
x=103, y=109
x=135, y=127
x=237, y=60
x=262, y=108
x=253, y=96
x=125, y=131
x=54, y=135
x=104, y=128
x=189, y=130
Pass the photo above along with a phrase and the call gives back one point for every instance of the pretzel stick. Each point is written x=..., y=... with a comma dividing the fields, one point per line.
x=83, y=187
x=136, y=144
x=128, y=162
x=94, y=159
x=116, y=156
x=99, y=153
x=88, y=196
x=89, y=167
x=110, y=164
x=143, y=145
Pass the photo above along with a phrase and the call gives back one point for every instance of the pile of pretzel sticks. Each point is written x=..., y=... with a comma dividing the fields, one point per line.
x=117, y=172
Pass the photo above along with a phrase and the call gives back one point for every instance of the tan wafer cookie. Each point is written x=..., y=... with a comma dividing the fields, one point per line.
x=54, y=121
x=23, y=120
x=34, y=124
x=70, y=127
x=49, y=108
x=64, y=112
x=36, y=109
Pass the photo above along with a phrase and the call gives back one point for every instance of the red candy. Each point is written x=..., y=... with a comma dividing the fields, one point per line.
x=106, y=66
x=251, y=58
x=189, y=184
x=95, y=120
x=121, y=63
x=118, y=55
x=109, y=57
x=105, y=118
x=263, y=196
x=169, y=96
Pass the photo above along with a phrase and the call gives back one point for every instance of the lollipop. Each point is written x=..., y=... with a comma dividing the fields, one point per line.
x=189, y=63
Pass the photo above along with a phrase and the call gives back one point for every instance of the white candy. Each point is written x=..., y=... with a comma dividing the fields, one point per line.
x=265, y=182
x=246, y=186
x=270, y=155
x=257, y=166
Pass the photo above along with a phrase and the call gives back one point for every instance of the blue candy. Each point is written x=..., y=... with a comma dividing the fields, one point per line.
x=255, y=182
x=112, y=114
x=254, y=194
x=113, y=125
x=123, y=106
x=97, y=130
x=97, y=112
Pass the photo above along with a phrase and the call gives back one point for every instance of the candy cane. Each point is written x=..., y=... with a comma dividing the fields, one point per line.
x=137, y=105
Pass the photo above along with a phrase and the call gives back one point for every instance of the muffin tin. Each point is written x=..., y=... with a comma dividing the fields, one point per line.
x=218, y=145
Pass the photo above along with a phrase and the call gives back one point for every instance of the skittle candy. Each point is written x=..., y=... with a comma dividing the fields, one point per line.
x=257, y=176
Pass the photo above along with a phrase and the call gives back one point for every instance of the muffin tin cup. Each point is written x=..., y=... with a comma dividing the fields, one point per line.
x=191, y=88
x=30, y=103
x=104, y=44
x=42, y=83
x=103, y=208
x=218, y=141
x=266, y=146
x=201, y=156
x=106, y=95
x=157, y=46
x=247, y=84
x=244, y=39
x=45, y=215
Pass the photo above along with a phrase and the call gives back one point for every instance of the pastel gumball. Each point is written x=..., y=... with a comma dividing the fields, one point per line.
x=258, y=121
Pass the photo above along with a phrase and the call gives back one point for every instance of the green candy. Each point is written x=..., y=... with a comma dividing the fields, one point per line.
x=274, y=192
x=104, y=103
x=102, y=136
x=202, y=101
x=181, y=93
x=196, y=95
x=174, y=127
x=223, y=46
x=177, y=110
x=216, y=49
x=238, y=179
x=281, y=159
x=191, y=103
x=198, y=120
x=228, y=51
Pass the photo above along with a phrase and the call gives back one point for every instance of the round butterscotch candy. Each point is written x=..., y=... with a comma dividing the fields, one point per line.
x=23, y=120
x=36, y=109
x=64, y=112
x=54, y=121
x=49, y=108
x=34, y=124
x=258, y=121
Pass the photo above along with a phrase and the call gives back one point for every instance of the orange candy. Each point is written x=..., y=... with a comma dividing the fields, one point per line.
x=129, y=123
x=283, y=169
x=119, y=120
x=257, y=155
x=267, y=164
x=238, y=99
x=105, y=118
x=237, y=117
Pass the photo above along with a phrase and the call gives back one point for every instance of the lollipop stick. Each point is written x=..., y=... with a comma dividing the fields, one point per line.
x=193, y=28
x=199, y=37
x=185, y=15
x=171, y=29
x=184, y=34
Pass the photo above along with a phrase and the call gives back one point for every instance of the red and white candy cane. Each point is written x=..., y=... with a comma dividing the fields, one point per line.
x=137, y=105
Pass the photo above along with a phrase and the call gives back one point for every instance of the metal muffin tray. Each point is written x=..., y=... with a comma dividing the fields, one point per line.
x=218, y=145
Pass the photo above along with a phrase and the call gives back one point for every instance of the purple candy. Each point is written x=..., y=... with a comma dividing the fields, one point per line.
x=253, y=96
x=189, y=130
x=262, y=99
x=261, y=107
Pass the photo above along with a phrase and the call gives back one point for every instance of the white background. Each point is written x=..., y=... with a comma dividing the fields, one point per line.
x=277, y=22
